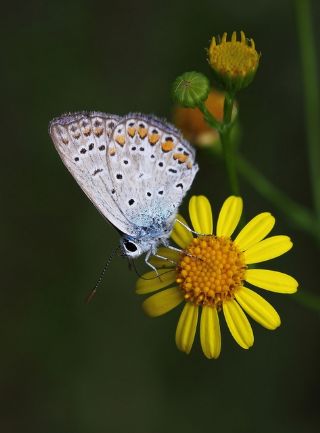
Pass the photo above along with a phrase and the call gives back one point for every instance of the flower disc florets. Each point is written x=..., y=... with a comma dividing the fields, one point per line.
x=211, y=271
x=234, y=63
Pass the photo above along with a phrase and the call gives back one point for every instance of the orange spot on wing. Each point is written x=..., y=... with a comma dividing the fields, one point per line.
x=98, y=131
x=112, y=151
x=181, y=157
x=167, y=146
x=142, y=132
x=87, y=131
x=153, y=139
x=189, y=164
x=131, y=131
x=120, y=139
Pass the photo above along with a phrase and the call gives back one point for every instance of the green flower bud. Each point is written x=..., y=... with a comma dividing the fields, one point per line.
x=190, y=89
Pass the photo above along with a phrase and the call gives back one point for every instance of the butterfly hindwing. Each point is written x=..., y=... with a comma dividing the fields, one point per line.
x=151, y=167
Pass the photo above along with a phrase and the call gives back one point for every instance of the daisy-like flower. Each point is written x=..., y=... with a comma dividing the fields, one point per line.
x=234, y=62
x=210, y=276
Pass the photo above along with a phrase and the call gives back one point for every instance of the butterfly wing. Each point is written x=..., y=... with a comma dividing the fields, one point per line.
x=151, y=167
x=82, y=140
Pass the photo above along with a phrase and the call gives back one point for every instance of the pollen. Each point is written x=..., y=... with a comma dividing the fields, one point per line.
x=211, y=271
x=233, y=58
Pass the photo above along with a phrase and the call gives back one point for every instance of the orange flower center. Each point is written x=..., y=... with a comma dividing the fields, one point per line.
x=210, y=271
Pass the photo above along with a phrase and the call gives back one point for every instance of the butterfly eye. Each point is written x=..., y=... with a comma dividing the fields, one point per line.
x=130, y=246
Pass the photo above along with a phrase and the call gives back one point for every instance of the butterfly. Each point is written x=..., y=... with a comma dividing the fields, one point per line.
x=135, y=169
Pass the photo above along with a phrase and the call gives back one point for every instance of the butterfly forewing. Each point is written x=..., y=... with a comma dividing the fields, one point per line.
x=82, y=141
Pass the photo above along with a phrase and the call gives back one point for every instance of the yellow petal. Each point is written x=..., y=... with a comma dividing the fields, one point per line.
x=256, y=230
x=186, y=328
x=273, y=281
x=150, y=282
x=229, y=216
x=162, y=302
x=210, y=336
x=238, y=324
x=258, y=308
x=268, y=249
x=201, y=214
x=181, y=235
x=172, y=256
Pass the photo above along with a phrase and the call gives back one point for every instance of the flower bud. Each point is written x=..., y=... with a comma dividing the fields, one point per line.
x=190, y=89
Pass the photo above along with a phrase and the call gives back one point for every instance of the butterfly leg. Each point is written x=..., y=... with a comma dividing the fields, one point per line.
x=189, y=229
x=166, y=244
x=149, y=253
x=179, y=250
x=164, y=258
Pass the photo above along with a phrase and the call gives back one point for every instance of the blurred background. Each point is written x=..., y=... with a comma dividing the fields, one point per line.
x=105, y=367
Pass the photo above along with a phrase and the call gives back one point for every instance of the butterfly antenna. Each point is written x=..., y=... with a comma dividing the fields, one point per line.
x=133, y=265
x=94, y=290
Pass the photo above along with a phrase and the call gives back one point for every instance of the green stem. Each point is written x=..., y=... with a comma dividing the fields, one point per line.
x=224, y=128
x=209, y=118
x=228, y=144
x=230, y=160
x=227, y=108
x=311, y=93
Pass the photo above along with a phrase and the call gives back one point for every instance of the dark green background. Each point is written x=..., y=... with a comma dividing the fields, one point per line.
x=105, y=367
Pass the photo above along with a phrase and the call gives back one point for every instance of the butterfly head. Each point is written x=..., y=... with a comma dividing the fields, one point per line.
x=134, y=247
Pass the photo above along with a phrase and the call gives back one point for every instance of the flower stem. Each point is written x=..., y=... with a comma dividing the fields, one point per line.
x=228, y=145
x=230, y=160
x=311, y=93
x=209, y=118
x=224, y=128
x=227, y=108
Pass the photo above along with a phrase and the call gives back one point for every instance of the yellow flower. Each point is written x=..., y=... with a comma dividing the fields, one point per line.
x=211, y=272
x=234, y=63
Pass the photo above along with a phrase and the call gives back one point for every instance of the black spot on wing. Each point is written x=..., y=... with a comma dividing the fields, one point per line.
x=97, y=170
